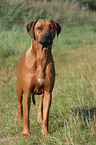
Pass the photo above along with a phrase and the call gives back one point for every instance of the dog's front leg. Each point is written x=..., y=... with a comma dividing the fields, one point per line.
x=46, y=106
x=26, y=110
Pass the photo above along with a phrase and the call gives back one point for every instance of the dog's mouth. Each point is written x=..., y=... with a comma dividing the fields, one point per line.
x=49, y=42
x=46, y=39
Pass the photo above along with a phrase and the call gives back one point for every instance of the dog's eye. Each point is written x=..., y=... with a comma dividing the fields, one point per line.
x=40, y=28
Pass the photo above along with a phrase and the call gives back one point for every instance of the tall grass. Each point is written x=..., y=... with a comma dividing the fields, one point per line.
x=72, y=119
x=78, y=26
x=15, y=41
x=20, y=12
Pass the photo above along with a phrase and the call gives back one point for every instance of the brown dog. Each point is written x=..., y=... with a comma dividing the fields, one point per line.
x=36, y=72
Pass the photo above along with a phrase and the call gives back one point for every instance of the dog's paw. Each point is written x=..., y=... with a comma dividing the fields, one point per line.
x=25, y=132
x=44, y=133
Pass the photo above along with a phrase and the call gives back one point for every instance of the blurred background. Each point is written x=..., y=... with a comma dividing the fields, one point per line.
x=78, y=17
x=19, y=12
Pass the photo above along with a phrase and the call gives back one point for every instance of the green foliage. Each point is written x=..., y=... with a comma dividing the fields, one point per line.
x=90, y=3
x=12, y=42
x=21, y=12
x=15, y=41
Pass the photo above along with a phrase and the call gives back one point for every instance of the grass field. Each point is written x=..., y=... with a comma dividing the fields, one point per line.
x=72, y=118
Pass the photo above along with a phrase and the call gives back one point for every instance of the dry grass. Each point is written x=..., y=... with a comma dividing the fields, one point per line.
x=73, y=110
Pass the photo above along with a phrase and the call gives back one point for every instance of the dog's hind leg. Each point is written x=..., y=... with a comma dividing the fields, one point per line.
x=40, y=109
x=19, y=97
x=33, y=99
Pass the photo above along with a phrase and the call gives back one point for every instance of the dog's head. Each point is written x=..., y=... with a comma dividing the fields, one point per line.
x=43, y=30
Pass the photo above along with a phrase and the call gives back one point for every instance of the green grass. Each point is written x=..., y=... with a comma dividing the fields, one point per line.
x=20, y=12
x=73, y=111
x=15, y=41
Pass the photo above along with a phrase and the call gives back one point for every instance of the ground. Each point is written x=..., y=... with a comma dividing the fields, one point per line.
x=73, y=112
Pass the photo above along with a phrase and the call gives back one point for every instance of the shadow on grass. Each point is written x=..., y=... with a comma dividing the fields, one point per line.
x=89, y=113
x=59, y=121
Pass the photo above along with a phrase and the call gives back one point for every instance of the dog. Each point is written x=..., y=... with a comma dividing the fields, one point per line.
x=36, y=73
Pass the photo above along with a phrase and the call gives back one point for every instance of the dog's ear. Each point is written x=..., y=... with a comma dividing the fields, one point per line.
x=58, y=27
x=30, y=28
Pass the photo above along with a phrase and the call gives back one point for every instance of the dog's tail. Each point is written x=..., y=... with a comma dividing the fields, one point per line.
x=33, y=99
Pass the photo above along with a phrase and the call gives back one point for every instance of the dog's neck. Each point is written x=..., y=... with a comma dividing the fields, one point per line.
x=40, y=55
x=40, y=52
x=38, y=48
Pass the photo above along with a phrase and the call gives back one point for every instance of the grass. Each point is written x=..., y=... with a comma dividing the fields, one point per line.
x=72, y=36
x=15, y=12
x=73, y=111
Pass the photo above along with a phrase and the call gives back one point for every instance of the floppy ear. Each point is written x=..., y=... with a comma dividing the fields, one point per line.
x=30, y=28
x=58, y=27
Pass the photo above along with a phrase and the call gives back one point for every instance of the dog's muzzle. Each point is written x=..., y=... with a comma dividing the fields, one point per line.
x=46, y=39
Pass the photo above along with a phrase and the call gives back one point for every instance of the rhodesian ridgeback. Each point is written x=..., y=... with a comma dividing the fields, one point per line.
x=36, y=72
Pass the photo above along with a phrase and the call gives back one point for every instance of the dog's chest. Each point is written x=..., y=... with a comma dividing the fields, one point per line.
x=37, y=85
x=38, y=69
x=40, y=81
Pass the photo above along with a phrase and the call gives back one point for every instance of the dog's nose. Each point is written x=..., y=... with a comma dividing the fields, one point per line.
x=46, y=39
x=47, y=36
